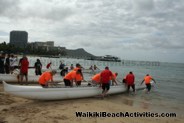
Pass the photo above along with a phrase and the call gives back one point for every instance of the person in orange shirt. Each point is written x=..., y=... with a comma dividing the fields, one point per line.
x=78, y=78
x=114, y=79
x=96, y=79
x=79, y=67
x=72, y=76
x=147, y=80
x=46, y=77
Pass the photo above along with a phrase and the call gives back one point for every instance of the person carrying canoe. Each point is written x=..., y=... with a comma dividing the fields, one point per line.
x=79, y=67
x=71, y=77
x=114, y=79
x=147, y=79
x=78, y=78
x=46, y=77
x=105, y=80
x=96, y=79
x=130, y=78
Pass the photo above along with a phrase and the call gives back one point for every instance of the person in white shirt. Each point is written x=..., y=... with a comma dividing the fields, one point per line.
x=13, y=63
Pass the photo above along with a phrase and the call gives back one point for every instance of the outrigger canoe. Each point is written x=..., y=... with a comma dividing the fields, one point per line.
x=40, y=93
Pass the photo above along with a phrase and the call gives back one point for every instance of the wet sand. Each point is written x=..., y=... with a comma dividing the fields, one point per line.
x=18, y=110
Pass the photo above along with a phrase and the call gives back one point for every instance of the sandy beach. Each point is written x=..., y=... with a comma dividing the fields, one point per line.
x=18, y=110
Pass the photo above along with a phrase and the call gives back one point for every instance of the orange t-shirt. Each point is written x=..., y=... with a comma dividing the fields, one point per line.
x=114, y=76
x=78, y=77
x=71, y=75
x=147, y=79
x=45, y=77
x=96, y=78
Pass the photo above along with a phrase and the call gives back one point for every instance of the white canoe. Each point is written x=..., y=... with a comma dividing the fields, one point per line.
x=31, y=78
x=39, y=93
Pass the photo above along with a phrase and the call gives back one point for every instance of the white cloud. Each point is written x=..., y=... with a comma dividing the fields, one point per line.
x=103, y=27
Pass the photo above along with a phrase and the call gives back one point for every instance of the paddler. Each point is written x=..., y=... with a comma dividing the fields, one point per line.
x=105, y=80
x=114, y=78
x=79, y=67
x=130, y=78
x=46, y=77
x=72, y=76
x=96, y=79
x=147, y=80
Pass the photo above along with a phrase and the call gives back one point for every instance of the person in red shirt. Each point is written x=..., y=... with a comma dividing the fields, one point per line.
x=24, y=64
x=105, y=78
x=49, y=66
x=130, y=78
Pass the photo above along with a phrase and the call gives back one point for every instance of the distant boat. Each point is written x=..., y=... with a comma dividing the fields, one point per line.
x=106, y=58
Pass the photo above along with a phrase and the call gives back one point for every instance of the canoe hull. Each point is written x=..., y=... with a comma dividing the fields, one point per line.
x=39, y=93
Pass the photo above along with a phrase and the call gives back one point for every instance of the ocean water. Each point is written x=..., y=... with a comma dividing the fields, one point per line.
x=166, y=96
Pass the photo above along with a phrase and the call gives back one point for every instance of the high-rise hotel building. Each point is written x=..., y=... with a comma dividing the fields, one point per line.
x=19, y=38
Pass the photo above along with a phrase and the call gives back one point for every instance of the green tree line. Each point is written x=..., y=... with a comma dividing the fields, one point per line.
x=8, y=48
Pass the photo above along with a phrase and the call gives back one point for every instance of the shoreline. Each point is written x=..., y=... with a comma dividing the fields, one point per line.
x=14, y=109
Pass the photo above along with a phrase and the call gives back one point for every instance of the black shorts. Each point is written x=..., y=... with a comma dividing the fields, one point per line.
x=148, y=86
x=78, y=83
x=44, y=86
x=133, y=87
x=105, y=86
x=67, y=82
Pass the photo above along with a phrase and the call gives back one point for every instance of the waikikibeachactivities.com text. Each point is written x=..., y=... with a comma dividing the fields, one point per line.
x=123, y=114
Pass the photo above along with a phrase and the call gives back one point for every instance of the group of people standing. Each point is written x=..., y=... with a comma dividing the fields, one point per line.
x=7, y=63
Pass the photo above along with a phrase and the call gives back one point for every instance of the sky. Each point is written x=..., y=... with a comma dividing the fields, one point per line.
x=148, y=30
